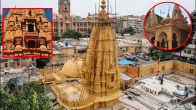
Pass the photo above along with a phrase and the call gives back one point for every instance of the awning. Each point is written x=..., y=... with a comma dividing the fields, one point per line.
x=125, y=62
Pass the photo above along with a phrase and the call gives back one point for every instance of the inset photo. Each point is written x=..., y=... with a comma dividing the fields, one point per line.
x=167, y=26
x=27, y=33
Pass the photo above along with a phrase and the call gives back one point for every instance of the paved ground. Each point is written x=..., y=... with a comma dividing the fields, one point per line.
x=119, y=106
x=179, y=78
x=133, y=103
x=126, y=104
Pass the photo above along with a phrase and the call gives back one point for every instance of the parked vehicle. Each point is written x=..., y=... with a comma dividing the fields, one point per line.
x=134, y=92
x=143, y=56
x=128, y=54
x=131, y=57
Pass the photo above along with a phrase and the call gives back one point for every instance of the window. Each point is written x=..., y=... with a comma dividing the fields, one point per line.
x=189, y=51
x=6, y=64
x=61, y=30
x=55, y=30
x=61, y=24
x=191, y=70
x=30, y=28
x=163, y=67
x=112, y=78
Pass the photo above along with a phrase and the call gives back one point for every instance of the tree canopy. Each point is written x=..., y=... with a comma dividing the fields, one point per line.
x=164, y=56
x=128, y=30
x=72, y=34
x=30, y=97
x=56, y=38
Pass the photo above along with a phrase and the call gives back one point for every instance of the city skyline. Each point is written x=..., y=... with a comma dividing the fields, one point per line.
x=122, y=8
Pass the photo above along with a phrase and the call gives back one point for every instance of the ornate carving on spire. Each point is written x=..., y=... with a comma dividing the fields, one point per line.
x=103, y=14
x=103, y=6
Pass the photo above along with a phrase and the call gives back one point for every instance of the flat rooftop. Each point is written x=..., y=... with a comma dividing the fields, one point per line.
x=172, y=89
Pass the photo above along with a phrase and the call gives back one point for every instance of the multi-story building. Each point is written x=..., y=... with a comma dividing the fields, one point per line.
x=64, y=21
x=188, y=50
x=129, y=21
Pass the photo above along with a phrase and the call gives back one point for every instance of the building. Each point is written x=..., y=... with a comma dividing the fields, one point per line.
x=158, y=29
x=188, y=50
x=63, y=21
x=129, y=21
x=165, y=92
x=13, y=63
x=27, y=32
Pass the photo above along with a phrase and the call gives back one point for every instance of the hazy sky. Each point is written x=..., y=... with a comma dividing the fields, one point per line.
x=83, y=7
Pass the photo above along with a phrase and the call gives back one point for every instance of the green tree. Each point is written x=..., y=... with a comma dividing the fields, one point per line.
x=122, y=32
x=61, y=108
x=128, y=30
x=30, y=97
x=72, y=34
x=56, y=38
x=162, y=55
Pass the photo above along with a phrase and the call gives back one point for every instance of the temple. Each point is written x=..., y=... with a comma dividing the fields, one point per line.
x=27, y=32
x=94, y=82
x=167, y=32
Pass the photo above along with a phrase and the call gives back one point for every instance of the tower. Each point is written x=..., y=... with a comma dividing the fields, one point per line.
x=100, y=75
x=64, y=8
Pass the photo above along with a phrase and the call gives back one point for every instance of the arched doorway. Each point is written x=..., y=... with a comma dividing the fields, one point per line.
x=30, y=28
x=152, y=40
x=31, y=44
x=158, y=44
x=174, y=41
x=163, y=41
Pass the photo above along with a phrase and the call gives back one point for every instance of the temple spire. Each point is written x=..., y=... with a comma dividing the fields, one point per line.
x=103, y=16
x=168, y=12
x=103, y=4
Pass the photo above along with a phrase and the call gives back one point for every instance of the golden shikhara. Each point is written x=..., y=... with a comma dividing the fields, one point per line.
x=100, y=81
x=27, y=32
x=100, y=76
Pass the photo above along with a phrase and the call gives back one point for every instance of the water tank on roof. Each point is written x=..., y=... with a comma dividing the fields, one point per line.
x=66, y=44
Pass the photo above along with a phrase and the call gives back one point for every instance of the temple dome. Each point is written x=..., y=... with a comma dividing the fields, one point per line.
x=167, y=20
x=18, y=47
x=72, y=68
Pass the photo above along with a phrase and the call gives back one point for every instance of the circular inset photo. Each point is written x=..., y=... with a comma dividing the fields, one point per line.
x=167, y=26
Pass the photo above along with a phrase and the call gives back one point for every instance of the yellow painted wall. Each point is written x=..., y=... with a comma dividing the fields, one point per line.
x=131, y=49
x=70, y=51
x=167, y=66
x=185, y=67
